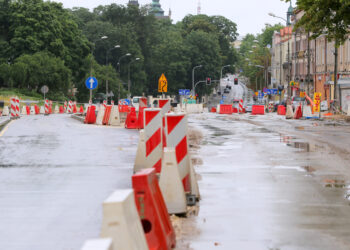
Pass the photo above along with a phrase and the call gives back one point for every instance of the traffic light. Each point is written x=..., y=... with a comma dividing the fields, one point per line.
x=208, y=81
x=236, y=81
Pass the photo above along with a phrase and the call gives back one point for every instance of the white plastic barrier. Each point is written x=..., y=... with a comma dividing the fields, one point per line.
x=114, y=118
x=307, y=111
x=194, y=108
x=121, y=221
x=140, y=160
x=6, y=111
x=170, y=184
x=100, y=115
x=289, y=113
x=98, y=244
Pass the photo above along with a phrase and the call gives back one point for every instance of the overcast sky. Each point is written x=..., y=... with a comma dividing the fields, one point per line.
x=249, y=15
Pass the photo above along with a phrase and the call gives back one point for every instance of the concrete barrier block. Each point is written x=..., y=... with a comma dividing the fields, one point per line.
x=100, y=115
x=121, y=221
x=171, y=185
x=140, y=160
x=98, y=244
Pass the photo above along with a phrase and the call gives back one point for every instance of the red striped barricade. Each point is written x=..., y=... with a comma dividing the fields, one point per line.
x=240, y=105
x=258, y=110
x=47, y=107
x=143, y=102
x=17, y=108
x=153, y=138
x=176, y=137
x=13, y=104
x=226, y=109
x=70, y=107
x=28, y=110
x=164, y=104
x=65, y=107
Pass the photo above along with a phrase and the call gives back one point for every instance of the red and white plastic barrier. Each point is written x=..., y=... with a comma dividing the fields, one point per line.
x=176, y=137
x=13, y=104
x=46, y=107
x=153, y=138
x=241, y=110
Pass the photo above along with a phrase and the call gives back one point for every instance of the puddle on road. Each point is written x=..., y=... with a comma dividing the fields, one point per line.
x=303, y=146
x=334, y=183
x=218, y=131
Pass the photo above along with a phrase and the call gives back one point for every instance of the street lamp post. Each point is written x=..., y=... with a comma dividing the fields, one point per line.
x=222, y=70
x=108, y=51
x=199, y=66
x=127, y=54
x=92, y=55
x=129, y=82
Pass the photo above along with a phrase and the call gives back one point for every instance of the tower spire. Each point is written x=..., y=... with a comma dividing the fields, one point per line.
x=199, y=7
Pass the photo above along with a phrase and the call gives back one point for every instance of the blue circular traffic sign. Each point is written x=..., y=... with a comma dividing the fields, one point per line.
x=91, y=83
x=265, y=90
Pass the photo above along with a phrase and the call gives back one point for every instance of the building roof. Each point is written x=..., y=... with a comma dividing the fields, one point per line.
x=156, y=9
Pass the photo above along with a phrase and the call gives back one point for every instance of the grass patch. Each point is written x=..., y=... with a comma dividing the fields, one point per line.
x=6, y=94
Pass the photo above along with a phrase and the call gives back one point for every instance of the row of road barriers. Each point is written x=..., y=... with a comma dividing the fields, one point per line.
x=164, y=183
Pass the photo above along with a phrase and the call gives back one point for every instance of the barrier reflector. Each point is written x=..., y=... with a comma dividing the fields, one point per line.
x=107, y=115
x=213, y=110
x=281, y=110
x=258, y=110
x=226, y=109
x=140, y=160
x=176, y=137
x=114, y=118
x=131, y=120
x=100, y=115
x=121, y=221
x=153, y=138
x=152, y=210
x=171, y=185
x=98, y=244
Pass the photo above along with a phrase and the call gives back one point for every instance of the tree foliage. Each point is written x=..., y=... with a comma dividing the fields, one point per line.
x=325, y=17
x=42, y=43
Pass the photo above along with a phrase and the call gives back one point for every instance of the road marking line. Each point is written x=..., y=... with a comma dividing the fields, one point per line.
x=5, y=128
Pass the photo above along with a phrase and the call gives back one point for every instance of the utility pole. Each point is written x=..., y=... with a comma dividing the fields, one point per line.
x=335, y=74
x=308, y=63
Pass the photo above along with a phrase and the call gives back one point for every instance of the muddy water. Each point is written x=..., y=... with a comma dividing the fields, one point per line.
x=263, y=189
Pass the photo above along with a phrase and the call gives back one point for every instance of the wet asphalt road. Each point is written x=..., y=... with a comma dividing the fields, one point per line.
x=54, y=175
x=270, y=184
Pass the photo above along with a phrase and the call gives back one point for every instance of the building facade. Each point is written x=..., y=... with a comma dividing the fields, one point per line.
x=309, y=63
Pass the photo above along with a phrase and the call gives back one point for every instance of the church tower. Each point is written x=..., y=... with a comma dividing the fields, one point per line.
x=134, y=2
x=156, y=9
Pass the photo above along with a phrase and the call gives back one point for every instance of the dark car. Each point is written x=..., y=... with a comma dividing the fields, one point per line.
x=228, y=87
x=226, y=91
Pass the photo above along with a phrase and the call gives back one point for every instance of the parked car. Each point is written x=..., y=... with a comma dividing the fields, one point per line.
x=226, y=91
x=228, y=87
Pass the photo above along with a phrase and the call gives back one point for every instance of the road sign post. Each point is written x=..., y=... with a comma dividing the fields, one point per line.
x=44, y=89
x=91, y=83
x=162, y=84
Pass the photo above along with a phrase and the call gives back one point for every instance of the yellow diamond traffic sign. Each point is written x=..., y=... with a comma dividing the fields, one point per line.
x=162, y=84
